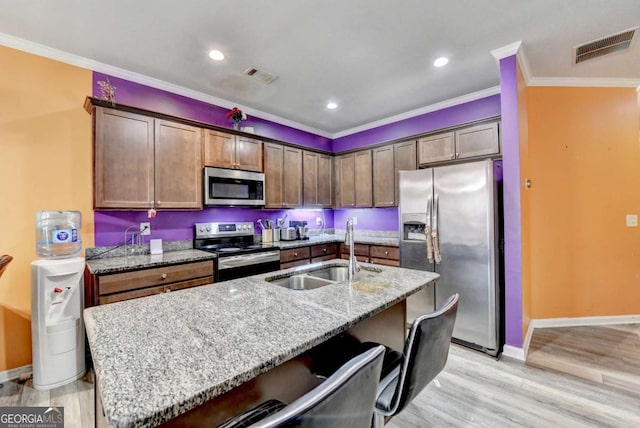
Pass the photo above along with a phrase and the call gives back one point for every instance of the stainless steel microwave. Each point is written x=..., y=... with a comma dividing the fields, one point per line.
x=233, y=187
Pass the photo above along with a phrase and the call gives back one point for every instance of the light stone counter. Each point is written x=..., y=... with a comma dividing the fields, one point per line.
x=337, y=238
x=159, y=356
x=125, y=263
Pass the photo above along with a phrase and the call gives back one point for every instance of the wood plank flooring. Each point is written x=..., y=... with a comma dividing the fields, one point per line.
x=474, y=390
x=608, y=355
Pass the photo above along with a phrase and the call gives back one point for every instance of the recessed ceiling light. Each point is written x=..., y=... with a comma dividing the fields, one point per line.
x=216, y=55
x=332, y=106
x=442, y=61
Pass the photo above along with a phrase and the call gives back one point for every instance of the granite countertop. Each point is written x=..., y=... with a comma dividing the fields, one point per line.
x=337, y=238
x=125, y=263
x=157, y=357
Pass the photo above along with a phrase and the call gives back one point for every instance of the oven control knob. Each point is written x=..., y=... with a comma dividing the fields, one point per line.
x=208, y=228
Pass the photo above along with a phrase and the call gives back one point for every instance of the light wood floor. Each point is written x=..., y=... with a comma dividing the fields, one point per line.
x=609, y=355
x=473, y=391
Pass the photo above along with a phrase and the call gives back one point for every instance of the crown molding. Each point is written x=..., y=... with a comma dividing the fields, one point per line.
x=508, y=50
x=604, y=82
x=422, y=110
x=89, y=64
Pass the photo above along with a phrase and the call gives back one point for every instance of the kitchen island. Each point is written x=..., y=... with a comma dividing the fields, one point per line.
x=159, y=357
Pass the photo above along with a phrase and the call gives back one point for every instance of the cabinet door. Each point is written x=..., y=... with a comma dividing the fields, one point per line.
x=346, y=177
x=219, y=149
x=310, y=179
x=123, y=160
x=273, y=175
x=325, y=181
x=178, y=165
x=383, y=177
x=363, y=179
x=248, y=154
x=436, y=148
x=292, y=180
x=479, y=140
x=404, y=155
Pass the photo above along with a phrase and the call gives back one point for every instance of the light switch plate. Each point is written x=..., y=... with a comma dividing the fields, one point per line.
x=145, y=228
x=355, y=220
x=632, y=220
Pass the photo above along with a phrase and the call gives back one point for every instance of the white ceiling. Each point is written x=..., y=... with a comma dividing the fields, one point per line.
x=373, y=57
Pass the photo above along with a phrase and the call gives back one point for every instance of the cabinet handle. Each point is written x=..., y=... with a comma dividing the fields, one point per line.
x=386, y=253
x=163, y=276
x=457, y=155
x=324, y=249
x=167, y=289
x=295, y=254
x=453, y=156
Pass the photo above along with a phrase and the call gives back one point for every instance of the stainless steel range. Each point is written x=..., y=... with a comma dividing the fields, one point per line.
x=238, y=254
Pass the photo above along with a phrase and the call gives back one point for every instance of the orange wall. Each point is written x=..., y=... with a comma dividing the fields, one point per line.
x=583, y=159
x=45, y=164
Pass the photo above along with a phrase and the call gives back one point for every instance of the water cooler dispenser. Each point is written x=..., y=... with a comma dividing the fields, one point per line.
x=57, y=300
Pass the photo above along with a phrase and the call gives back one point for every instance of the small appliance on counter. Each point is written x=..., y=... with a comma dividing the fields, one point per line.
x=288, y=234
x=302, y=231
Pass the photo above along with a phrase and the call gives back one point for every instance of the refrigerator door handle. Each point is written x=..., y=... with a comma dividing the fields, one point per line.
x=434, y=232
x=427, y=230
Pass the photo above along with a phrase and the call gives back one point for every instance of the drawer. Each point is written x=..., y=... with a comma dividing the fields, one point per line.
x=149, y=291
x=294, y=254
x=323, y=258
x=384, y=252
x=323, y=250
x=294, y=264
x=358, y=249
x=387, y=262
x=126, y=281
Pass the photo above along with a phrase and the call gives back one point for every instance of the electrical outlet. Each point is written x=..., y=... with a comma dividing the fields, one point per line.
x=145, y=228
x=318, y=221
x=632, y=220
x=355, y=220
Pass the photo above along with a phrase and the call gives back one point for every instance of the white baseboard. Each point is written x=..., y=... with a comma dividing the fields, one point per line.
x=584, y=321
x=14, y=373
x=513, y=352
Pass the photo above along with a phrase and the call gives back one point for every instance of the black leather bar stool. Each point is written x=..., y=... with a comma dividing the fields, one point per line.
x=425, y=355
x=345, y=399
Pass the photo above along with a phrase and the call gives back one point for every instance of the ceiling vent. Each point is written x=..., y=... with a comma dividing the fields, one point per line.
x=605, y=46
x=260, y=75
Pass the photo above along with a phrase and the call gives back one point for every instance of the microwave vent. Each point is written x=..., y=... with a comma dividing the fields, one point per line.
x=261, y=75
x=605, y=46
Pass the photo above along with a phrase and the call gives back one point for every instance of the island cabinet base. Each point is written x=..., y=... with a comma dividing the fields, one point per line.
x=293, y=378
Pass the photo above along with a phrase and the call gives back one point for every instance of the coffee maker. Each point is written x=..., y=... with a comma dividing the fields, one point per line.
x=302, y=231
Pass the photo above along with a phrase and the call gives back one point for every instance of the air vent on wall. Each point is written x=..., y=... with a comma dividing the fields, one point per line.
x=607, y=45
x=261, y=75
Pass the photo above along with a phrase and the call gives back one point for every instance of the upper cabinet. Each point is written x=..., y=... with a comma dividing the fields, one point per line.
x=387, y=161
x=317, y=180
x=232, y=151
x=355, y=178
x=283, y=186
x=473, y=141
x=141, y=162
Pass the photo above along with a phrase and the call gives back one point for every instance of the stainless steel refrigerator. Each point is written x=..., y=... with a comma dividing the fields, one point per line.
x=450, y=223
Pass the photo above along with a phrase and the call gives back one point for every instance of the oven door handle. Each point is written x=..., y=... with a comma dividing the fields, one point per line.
x=247, y=259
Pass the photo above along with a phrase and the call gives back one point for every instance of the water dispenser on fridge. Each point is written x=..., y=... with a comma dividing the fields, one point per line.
x=57, y=300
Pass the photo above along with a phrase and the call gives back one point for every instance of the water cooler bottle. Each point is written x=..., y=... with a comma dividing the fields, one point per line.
x=57, y=301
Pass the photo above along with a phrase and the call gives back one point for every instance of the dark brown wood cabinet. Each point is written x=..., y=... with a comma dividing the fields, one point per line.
x=109, y=288
x=355, y=178
x=141, y=162
x=224, y=150
x=322, y=252
x=283, y=176
x=378, y=254
x=317, y=179
x=469, y=142
x=346, y=181
x=383, y=177
x=310, y=254
x=405, y=159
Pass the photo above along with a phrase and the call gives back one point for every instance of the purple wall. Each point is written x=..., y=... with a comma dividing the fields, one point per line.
x=456, y=115
x=146, y=97
x=178, y=225
x=512, y=224
x=368, y=218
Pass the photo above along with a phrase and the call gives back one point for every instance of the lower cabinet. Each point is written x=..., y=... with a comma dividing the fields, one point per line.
x=378, y=254
x=120, y=286
x=304, y=255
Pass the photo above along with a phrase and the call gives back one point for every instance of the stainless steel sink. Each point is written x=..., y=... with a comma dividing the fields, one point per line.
x=308, y=280
x=301, y=282
x=340, y=273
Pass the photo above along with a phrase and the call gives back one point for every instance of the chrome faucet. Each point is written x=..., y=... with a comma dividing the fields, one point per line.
x=349, y=240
